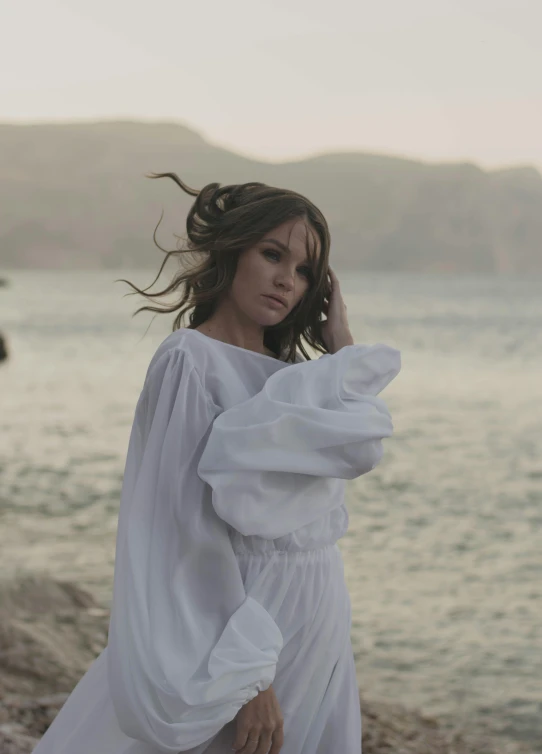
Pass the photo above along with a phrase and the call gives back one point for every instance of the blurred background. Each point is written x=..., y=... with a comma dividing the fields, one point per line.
x=415, y=127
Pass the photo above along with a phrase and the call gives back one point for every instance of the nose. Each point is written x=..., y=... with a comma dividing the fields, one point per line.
x=285, y=280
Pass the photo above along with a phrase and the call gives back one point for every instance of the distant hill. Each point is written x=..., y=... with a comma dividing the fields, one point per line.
x=75, y=196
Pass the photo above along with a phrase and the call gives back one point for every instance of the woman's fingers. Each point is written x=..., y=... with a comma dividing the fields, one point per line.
x=265, y=743
x=252, y=745
x=278, y=741
x=240, y=739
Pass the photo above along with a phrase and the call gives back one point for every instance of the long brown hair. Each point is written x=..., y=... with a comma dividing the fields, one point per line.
x=223, y=222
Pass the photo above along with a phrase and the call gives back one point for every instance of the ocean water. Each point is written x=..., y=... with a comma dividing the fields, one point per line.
x=444, y=552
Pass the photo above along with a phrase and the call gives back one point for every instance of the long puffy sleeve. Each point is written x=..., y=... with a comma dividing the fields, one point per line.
x=187, y=646
x=274, y=461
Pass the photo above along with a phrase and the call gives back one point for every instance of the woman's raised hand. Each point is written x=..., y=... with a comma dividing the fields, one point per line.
x=335, y=329
x=260, y=725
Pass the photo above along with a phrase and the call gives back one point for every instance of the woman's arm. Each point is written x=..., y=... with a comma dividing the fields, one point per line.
x=276, y=461
x=187, y=647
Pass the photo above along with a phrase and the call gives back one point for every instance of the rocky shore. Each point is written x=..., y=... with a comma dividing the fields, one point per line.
x=50, y=632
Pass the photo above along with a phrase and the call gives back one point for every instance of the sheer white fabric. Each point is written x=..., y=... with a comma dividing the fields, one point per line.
x=275, y=461
x=227, y=573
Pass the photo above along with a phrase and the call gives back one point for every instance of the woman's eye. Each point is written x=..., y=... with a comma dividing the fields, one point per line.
x=307, y=271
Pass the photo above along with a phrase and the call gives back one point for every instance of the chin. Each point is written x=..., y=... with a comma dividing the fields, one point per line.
x=270, y=321
x=271, y=317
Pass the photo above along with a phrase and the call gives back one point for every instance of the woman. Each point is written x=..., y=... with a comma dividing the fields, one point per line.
x=230, y=620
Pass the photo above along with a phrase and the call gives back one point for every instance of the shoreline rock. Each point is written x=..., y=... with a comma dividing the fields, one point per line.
x=50, y=631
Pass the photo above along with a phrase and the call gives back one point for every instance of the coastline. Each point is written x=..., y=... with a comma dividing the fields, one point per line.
x=50, y=631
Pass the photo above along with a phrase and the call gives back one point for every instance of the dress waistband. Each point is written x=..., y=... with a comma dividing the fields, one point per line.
x=320, y=535
x=267, y=552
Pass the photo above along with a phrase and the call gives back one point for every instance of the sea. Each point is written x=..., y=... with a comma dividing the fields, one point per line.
x=443, y=556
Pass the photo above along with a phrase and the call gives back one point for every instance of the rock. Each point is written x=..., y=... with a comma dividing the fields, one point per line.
x=50, y=632
x=14, y=742
x=3, y=353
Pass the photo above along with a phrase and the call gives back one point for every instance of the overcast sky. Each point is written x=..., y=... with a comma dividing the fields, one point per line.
x=439, y=80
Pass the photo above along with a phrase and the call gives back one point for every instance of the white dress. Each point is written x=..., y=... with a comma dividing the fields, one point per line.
x=227, y=574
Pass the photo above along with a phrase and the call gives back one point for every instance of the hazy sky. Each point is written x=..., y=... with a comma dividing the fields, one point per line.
x=276, y=79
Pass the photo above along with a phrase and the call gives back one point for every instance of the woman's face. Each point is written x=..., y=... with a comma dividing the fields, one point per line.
x=278, y=266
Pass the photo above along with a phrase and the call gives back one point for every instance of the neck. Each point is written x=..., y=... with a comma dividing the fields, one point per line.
x=230, y=331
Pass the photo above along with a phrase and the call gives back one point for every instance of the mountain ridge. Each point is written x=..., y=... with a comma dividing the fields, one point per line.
x=73, y=195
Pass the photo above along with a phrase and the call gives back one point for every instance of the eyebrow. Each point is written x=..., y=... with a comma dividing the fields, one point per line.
x=282, y=246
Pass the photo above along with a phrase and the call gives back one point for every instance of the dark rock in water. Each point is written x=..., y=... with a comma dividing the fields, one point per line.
x=3, y=284
x=3, y=348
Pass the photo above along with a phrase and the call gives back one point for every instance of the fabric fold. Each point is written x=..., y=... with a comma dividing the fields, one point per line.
x=251, y=643
x=278, y=461
x=187, y=646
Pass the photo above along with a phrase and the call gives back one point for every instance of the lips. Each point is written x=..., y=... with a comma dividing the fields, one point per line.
x=275, y=298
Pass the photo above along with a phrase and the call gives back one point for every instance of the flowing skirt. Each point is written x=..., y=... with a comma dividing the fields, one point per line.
x=315, y=681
